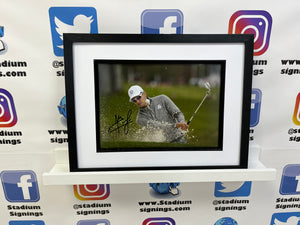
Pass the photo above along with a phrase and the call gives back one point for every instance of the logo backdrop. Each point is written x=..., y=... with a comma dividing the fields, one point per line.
x=33, y=114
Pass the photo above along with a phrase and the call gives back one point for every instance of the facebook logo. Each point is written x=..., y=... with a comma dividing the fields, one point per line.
x=27, y=222
x=162, y=21
x=255, y=107
x=20, y=186
x=290, y=180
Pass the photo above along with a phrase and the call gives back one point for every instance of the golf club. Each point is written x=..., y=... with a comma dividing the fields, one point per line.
x=208, y=87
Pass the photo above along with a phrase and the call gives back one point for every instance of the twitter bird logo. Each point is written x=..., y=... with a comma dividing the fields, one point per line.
x=70, y=20
x=232, y=189
x=290, y=221
x=231, y=186
x=290, y=218
x=81, y=24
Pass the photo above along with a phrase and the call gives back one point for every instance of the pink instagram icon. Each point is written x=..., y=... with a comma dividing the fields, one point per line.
x=255, y=22
x=8, y=115
x=91, y=191
x=159, y=221
x=296, y=116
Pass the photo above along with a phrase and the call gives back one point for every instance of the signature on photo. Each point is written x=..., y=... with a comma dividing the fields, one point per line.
x=121, y=123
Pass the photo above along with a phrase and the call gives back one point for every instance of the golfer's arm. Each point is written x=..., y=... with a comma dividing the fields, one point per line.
x=179, y=117
x=174, y=110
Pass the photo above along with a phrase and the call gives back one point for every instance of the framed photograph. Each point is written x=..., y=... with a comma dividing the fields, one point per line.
x=158, y=102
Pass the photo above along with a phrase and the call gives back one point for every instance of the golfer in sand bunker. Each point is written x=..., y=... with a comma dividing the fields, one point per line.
x=159, y=113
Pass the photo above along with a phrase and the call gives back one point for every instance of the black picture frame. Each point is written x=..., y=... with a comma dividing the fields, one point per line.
x=84, y=52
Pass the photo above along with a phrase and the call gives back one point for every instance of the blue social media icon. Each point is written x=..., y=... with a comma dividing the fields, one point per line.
x=290, y=184
x=165, y=188
x=62, y=107
x=226, y=221
x=289, y=218
x=255, y=106
x=26, y=222
x=162, y=21
x=1, y=31
x=20, y=186
x=3, y=45
x=93, y=222
x=70, y=20
x=232, y=189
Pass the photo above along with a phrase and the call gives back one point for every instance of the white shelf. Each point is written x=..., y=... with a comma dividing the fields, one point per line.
x=60, y=175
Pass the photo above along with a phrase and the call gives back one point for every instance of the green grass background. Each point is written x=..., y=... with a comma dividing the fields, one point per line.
x=203, y=131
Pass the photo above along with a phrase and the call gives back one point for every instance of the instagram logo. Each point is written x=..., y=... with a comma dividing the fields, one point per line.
x=8, y=115
x=159, y=221
x=255, y=22
x=296, y=116
x=91, y=191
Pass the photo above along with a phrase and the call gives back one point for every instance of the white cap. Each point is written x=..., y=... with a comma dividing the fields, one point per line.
x=134, y=91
